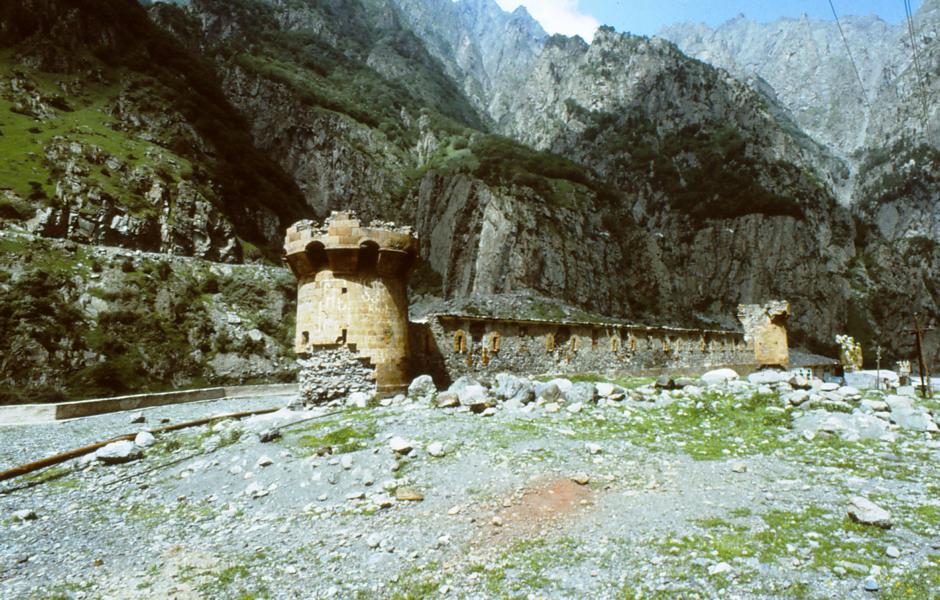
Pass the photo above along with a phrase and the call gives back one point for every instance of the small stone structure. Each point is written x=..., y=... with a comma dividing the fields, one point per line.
x=352, y=305
x=353, y=332
x=765, y=331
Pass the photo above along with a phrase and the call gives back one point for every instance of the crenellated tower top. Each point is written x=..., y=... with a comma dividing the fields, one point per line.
x=342, y=245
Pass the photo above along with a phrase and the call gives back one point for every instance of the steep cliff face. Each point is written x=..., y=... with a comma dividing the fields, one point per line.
x=488, y=51
x=488, y=240
x=806, y=64
x=887, y=127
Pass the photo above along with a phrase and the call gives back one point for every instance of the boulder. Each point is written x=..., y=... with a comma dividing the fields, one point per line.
x=118, y=452
x=462, y=383
x=719, y=376
x=768, y=377
x=563, y=384
x=448, y=400
x=359, y=400
x=915, y=418
x=472, y=394
x=869, y=379
x=797, y=397
x=850, y=427
x=862, y=510
x=581, y=392
x=422, y=386
x=400, y=445
x=548, y=392
x=145, y=439
x=509, y=385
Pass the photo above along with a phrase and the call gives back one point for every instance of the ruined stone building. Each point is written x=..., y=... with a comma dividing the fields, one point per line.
x=353, y=332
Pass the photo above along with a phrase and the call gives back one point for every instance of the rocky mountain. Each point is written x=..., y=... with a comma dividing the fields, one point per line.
x=886, y=126
x=543, y=174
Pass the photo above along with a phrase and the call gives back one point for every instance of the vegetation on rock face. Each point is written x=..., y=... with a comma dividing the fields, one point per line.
x=113, y=80
x=97, y=323
x=707, y=171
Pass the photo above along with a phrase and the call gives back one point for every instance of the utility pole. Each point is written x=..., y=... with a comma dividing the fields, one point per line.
x=918, y=332
x=878, y=366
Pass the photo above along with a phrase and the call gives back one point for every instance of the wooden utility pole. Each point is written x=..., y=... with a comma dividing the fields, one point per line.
x=918, y=332
x=878, y=366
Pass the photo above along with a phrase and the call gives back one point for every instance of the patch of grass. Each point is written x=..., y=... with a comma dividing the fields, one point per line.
x=349, y=433
x=416, y=582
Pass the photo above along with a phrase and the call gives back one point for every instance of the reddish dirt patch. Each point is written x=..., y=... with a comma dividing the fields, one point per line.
x=535, y=510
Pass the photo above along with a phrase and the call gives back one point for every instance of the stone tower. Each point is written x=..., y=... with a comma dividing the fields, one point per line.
x=765, y=331
x=352, y=305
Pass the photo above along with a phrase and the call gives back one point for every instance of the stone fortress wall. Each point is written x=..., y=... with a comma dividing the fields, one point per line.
x=448, y=346
x=353, y=333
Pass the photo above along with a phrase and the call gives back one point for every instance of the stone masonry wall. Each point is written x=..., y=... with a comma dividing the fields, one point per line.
x=450, y=346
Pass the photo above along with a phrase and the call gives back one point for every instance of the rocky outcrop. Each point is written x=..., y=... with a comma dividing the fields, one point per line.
x=485, y=49
x=82, y=320
x=339, y=163
x=493, y=241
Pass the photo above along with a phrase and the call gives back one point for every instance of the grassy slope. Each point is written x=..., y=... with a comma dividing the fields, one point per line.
x=26, y=170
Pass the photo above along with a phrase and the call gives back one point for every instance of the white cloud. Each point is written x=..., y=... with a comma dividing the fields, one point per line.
x=557, y=16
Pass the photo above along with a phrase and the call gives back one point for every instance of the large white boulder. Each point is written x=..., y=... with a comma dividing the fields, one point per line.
x=719, y=376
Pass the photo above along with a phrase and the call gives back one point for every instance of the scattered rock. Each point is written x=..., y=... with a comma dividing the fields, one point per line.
x=256, y=490
x=400, y=445
x=269, y=435
x=581, y=479
x=739, y=467
x=119, y=452
x=137, y=417
x=893, y=552
x=581, y=393
x=145, y=439
x=768, y=376
x=408, y=494
x=871, y=584
x=719, y=376
x=593, y=448
x=862, y=510
x=264, y=461
x=27, y=514
x=448, y=400
x=359, y=399
x=436, y=449
x=422, y=386
x=718, y=569
x=548, y=392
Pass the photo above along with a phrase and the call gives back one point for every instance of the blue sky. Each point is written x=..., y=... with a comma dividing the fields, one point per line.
x=646, y=17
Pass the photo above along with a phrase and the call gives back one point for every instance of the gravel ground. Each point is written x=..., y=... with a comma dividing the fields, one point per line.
x=706, y=491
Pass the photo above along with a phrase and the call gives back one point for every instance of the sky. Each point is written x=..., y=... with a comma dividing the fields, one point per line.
x=646, y=17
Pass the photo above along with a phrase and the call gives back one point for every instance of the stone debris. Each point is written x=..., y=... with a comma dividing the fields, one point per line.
x=864, y=511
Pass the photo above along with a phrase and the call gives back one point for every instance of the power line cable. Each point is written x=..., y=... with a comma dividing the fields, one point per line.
x=920, y=77
x=849, y=51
